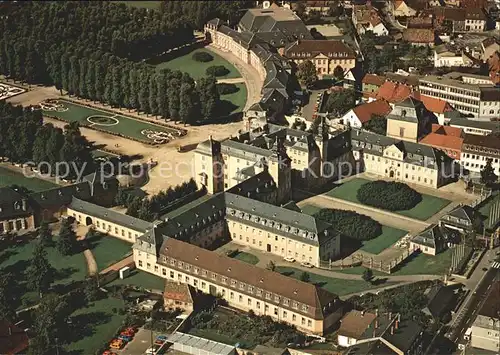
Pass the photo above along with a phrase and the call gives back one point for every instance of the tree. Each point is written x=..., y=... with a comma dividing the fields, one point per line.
x=300, y=8
x=39, y=273
x=338, y=72
x=377, y=124
x=66, y=243
x=367, y=275
x=91, y=290
x=44, y=234
x=388, y=195
x=305, y=277
x=217, y=70
x=188, y=107
x=271, y=265
x=488, y=175
x=307, y=73
x=339, y=102
x=351, y=224
x=7, y=296
x=202, y=56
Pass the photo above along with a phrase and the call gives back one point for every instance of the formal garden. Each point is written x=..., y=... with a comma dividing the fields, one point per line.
x=243, y=256
x=10, y=177
x=424, y=206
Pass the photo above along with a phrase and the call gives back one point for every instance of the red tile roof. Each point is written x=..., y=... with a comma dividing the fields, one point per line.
x=365, y=112
x=394, y=92
x=355, y=323
x=449, y=139
x=13, y=340
x=435, y=105
x=447, y=130
x=419, y=35
x=330, y=48
x=373, y=79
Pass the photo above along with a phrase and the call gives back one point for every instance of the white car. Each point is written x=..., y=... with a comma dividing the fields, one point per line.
x=306, y=264
x=289, y=259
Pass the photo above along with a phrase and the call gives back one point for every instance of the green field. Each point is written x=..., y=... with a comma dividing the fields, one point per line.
x=108, y=250
x=340, y=287
x=427, y=208
x=142, y=279
x=96, y=325
x=110, y=122
x=9, y=177
x=246, y=257
x=16, y=258
x=141, y=4
x=422, y=264
x=197, y=70
x=388, y=237
x=235, y=102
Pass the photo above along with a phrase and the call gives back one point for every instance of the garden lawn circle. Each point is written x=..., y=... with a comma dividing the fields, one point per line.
x=101, y=120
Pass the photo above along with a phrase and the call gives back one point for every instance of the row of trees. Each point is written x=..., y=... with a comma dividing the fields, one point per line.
x=23, y=138
x=149, y=209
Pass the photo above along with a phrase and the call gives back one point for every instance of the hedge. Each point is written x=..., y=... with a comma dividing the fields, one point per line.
x=203, y=57
x=351, y=224
x=225, y=88
x=217, y=70
x=388, y=195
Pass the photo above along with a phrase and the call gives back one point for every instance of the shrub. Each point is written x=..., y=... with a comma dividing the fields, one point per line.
x=225, y=88
x=392, y=196
x=203, y=57
x=217, y=70
x=351, y=224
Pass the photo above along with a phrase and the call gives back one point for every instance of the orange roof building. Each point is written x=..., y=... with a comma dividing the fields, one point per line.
x=365, y=112
x=435, y=105
x=445, y=138
x=394, y=92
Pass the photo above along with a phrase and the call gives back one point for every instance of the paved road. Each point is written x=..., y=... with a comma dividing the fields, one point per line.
x=251, y=77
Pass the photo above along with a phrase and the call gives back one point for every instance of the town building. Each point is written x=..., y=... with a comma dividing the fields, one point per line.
x=419, y=36
x=372, y=83
x=410, y=120
x=460, y=20
x=15, y=213
x=13, y=340
x=326, y=55
x=308, y=307
x=477, y=150
x=178, y=295
x=430, y=241
x=474, y=127
x=486, y=327
x=366, y=18
x=404, y=161
x=394, y=92
x=363, y=113
x=402, y=9
x=462, y=218
x=445, y=138
x=440, y=300
x=443, y=111
x=446, y=55
x=481, y=100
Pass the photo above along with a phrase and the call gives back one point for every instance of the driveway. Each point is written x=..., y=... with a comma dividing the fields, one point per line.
x=140, y=343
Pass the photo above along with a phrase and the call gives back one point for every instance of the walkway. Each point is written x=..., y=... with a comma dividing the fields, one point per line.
x=250, y=75
x=81, y=232
x=119, y=265
x=230, y=81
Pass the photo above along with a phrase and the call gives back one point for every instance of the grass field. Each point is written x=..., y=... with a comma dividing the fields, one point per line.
x=197, y=70
x=428, y=207
x=235, y=102
x=142, y=279
x=246, y=257
x=96, y=325
x=422, y=264
x=388, y=237
x=110, y=122
x=141, y=4
x=340, y=287
x=9, y=177
x=108, y=250
x=15, y=259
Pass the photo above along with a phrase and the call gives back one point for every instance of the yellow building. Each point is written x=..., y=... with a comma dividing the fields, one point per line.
x=244, y=286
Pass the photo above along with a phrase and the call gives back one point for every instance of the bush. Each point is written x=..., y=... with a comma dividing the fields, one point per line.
x=225, y=89
x=351, y=224
x=217, y=70
x=203, y=57
x=392, y=196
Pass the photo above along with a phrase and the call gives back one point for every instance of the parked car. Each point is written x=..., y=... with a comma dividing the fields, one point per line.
x=125, y=337
x=108, y=352
x=162, y=337
x=289, y=259
x=306, y=264
x=116, y=344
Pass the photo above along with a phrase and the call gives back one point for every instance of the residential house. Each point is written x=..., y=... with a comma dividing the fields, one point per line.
x=352, y=79
x=443, y=111
x=419, y=36
x=477, y=150
x=460, y=20
x=363, y=113
x=366, y=18
x=15, y=213
x=480, y=128
x=372, y=83
x=326, y=55
x=440, y=300
x=410, y=120
x=353, y=325
x=486, y=327
x=13, y=340
x=445, y=138
x=462, y=218
x=178, y=295
x=394, y=92
x=402, y=9
x=408, y=162
x=446, y=55
x=321, y=6
x=430, y=241
x=489, y=46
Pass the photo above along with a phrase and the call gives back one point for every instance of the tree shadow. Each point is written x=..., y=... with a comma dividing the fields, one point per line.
x=6, y=255
x=176, y=53
x=64, y=273
x=83, y=325
x=320, y=284
x=287, y=273
x=379, y=281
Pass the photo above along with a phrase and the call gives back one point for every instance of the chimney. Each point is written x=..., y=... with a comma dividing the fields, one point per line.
x=397, y=321
x=392, y=330
x=210, y=137
x=25, y=208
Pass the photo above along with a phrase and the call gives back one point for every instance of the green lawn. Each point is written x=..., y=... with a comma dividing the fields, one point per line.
x=197, y=70
x=141, y=4
x=96, y=325
x=428, y=207
x=142, y=279
x=358, y=270
x=388, y=237
x=9, y=177
x=15, y=259
x=426, y=264
x=108, y=250
x=235, y=102
x=246, y=257
x=116, y=124
x=338, y=286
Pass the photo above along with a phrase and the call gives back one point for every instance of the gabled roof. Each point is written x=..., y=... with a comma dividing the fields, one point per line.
x=178, y=291
x=431, y=237
x=419, y=35
x=463, y=212
x=355, y=323
x=491, y=307
x=373, y=79
x=329, y=48
x=61, y=196
x=11, y=204
x=443, y=141
x=210, y=147
x=435, y=105
x=365, y=112
x=394, y=92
